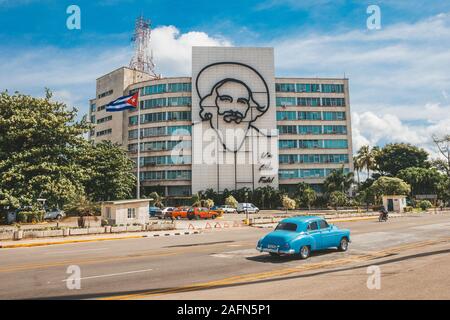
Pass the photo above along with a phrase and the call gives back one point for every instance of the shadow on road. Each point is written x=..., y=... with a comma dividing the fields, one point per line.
x=267, y=258
x=169, y=290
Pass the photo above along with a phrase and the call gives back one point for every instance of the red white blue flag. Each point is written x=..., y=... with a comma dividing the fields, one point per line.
x=123, y=103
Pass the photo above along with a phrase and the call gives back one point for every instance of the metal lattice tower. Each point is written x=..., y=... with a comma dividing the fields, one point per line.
x=143, y=57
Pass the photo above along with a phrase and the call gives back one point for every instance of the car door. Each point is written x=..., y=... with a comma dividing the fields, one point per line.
x=327, y=234
x=314, y=232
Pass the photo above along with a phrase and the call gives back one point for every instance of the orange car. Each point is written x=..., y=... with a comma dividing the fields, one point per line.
x=180, y=212
x=201, y=213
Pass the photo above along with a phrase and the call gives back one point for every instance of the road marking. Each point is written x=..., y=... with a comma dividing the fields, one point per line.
x=281, y=272
x=75, y=251
x=110, y=275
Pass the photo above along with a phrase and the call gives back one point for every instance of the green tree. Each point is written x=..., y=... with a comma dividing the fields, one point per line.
x=338, y=180
x=390, y=186
x=109, y=172
x=398, y=156
x=305, y=195
x=337, y=199
x=40, y=144
x=422, y=180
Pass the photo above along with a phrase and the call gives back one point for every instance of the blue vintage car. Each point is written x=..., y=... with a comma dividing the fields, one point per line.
x=301, y=235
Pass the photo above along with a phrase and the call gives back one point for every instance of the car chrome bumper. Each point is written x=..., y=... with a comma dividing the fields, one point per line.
x=278, y=251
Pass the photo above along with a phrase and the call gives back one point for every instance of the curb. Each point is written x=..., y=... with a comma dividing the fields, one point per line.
x=41, y=244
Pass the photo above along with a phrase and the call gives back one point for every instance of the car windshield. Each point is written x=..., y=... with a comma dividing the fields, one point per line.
x=287, y=226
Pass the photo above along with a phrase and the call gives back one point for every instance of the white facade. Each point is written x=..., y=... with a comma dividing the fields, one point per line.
x=233, y=108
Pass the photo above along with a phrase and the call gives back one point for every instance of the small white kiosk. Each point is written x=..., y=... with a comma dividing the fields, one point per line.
x=126, y=212
x=394, y=203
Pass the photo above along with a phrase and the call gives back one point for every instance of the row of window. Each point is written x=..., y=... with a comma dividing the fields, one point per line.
x=165, y=160
x=161, y=116
x=309, y=87
x=166, y=175
x=310, y=102
x=105, y=94
x=160, y=131
x=164, y=102
x=312, y=129
x=160, y=145
x=313, y=144
x=305, y=173
x=104, y=132
x=313, y=158
x=163, y=88
x=105, y=119
x=311, y=115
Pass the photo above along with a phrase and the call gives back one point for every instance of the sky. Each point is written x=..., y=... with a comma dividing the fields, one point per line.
x=399, y=74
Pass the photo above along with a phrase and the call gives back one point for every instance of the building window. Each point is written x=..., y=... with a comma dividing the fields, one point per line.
x=287, y=144
x=287, y=129
x=333, y=102
x=285, y=87
x=93, y=119
x=100, y=108
x=105, y=94
x=179, y=101
x=104, y=119
x=154, y=117
x=93, y=107
x=285, y=101
x=104, y=132
x=155, y=89
x=334, y=129
x=333, y=116
x=307, y=87
x=153, y=103
x=131, y=213
x=133, y=121
x=309, y=129
x=286, y=115
x=108, y=212
x=333, y=88
x=335, y=144
x=180, y=87
x=309, y=115
x=179, y=115
x=309, y=102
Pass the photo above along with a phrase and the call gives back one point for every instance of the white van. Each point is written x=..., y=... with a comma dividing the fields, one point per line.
x=247, y=207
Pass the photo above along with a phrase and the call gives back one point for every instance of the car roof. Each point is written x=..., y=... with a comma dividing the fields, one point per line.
x=301, y=219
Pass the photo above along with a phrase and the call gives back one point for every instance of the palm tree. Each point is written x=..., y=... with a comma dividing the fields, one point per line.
x=366, y=158
x=338, y=180
x=357, y=167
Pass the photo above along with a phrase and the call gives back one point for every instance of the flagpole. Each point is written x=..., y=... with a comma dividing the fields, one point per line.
x=138, y=191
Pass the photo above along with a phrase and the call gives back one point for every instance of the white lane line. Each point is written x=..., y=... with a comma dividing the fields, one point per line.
x=110, y=275
x=75, y=251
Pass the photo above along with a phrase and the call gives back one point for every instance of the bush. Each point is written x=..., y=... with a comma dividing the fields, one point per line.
x=338, y=199
x=231, y=201
x=408, y=209
x=425, y=205
x=288, y=203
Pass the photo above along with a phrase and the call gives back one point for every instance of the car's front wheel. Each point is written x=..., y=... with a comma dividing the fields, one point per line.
x=343, y=245
x=58, y=217
x=305, y=252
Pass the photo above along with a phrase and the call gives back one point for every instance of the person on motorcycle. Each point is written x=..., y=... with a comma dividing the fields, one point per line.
x=384, y=214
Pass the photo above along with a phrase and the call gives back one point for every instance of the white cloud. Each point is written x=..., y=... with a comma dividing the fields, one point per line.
x=172, y=50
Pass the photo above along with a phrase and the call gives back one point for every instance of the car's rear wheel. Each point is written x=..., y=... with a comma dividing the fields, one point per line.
x=343, y=244
x=305, y=252
x=58, y=217
x=178, y=218
x=213, y=216
x=273, y=254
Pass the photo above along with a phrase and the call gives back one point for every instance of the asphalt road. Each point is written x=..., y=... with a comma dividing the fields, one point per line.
x=413, y=255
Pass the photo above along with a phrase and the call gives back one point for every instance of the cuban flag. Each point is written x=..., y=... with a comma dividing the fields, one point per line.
x=123, y=103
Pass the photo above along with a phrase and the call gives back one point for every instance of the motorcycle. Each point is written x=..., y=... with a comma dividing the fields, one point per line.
x=383, y=216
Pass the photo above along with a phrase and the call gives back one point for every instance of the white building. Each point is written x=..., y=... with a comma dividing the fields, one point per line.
x=232, y=125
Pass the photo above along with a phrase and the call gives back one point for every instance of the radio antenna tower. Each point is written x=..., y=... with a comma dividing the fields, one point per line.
x=143, y=59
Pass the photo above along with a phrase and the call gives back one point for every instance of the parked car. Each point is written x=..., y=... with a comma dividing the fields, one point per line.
x=201, y=213
x=153, y=211
x=302, y=235
x=228, y=209
x=247, y=207
x=180, y=213
x=55, y=214
x=165, y=213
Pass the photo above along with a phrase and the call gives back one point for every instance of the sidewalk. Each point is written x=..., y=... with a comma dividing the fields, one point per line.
x=92, y=238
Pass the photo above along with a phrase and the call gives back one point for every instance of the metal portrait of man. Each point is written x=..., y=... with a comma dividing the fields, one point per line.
x=233, y=99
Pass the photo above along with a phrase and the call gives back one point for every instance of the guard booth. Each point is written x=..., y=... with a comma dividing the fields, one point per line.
x=394, y=203
x=126, y=212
